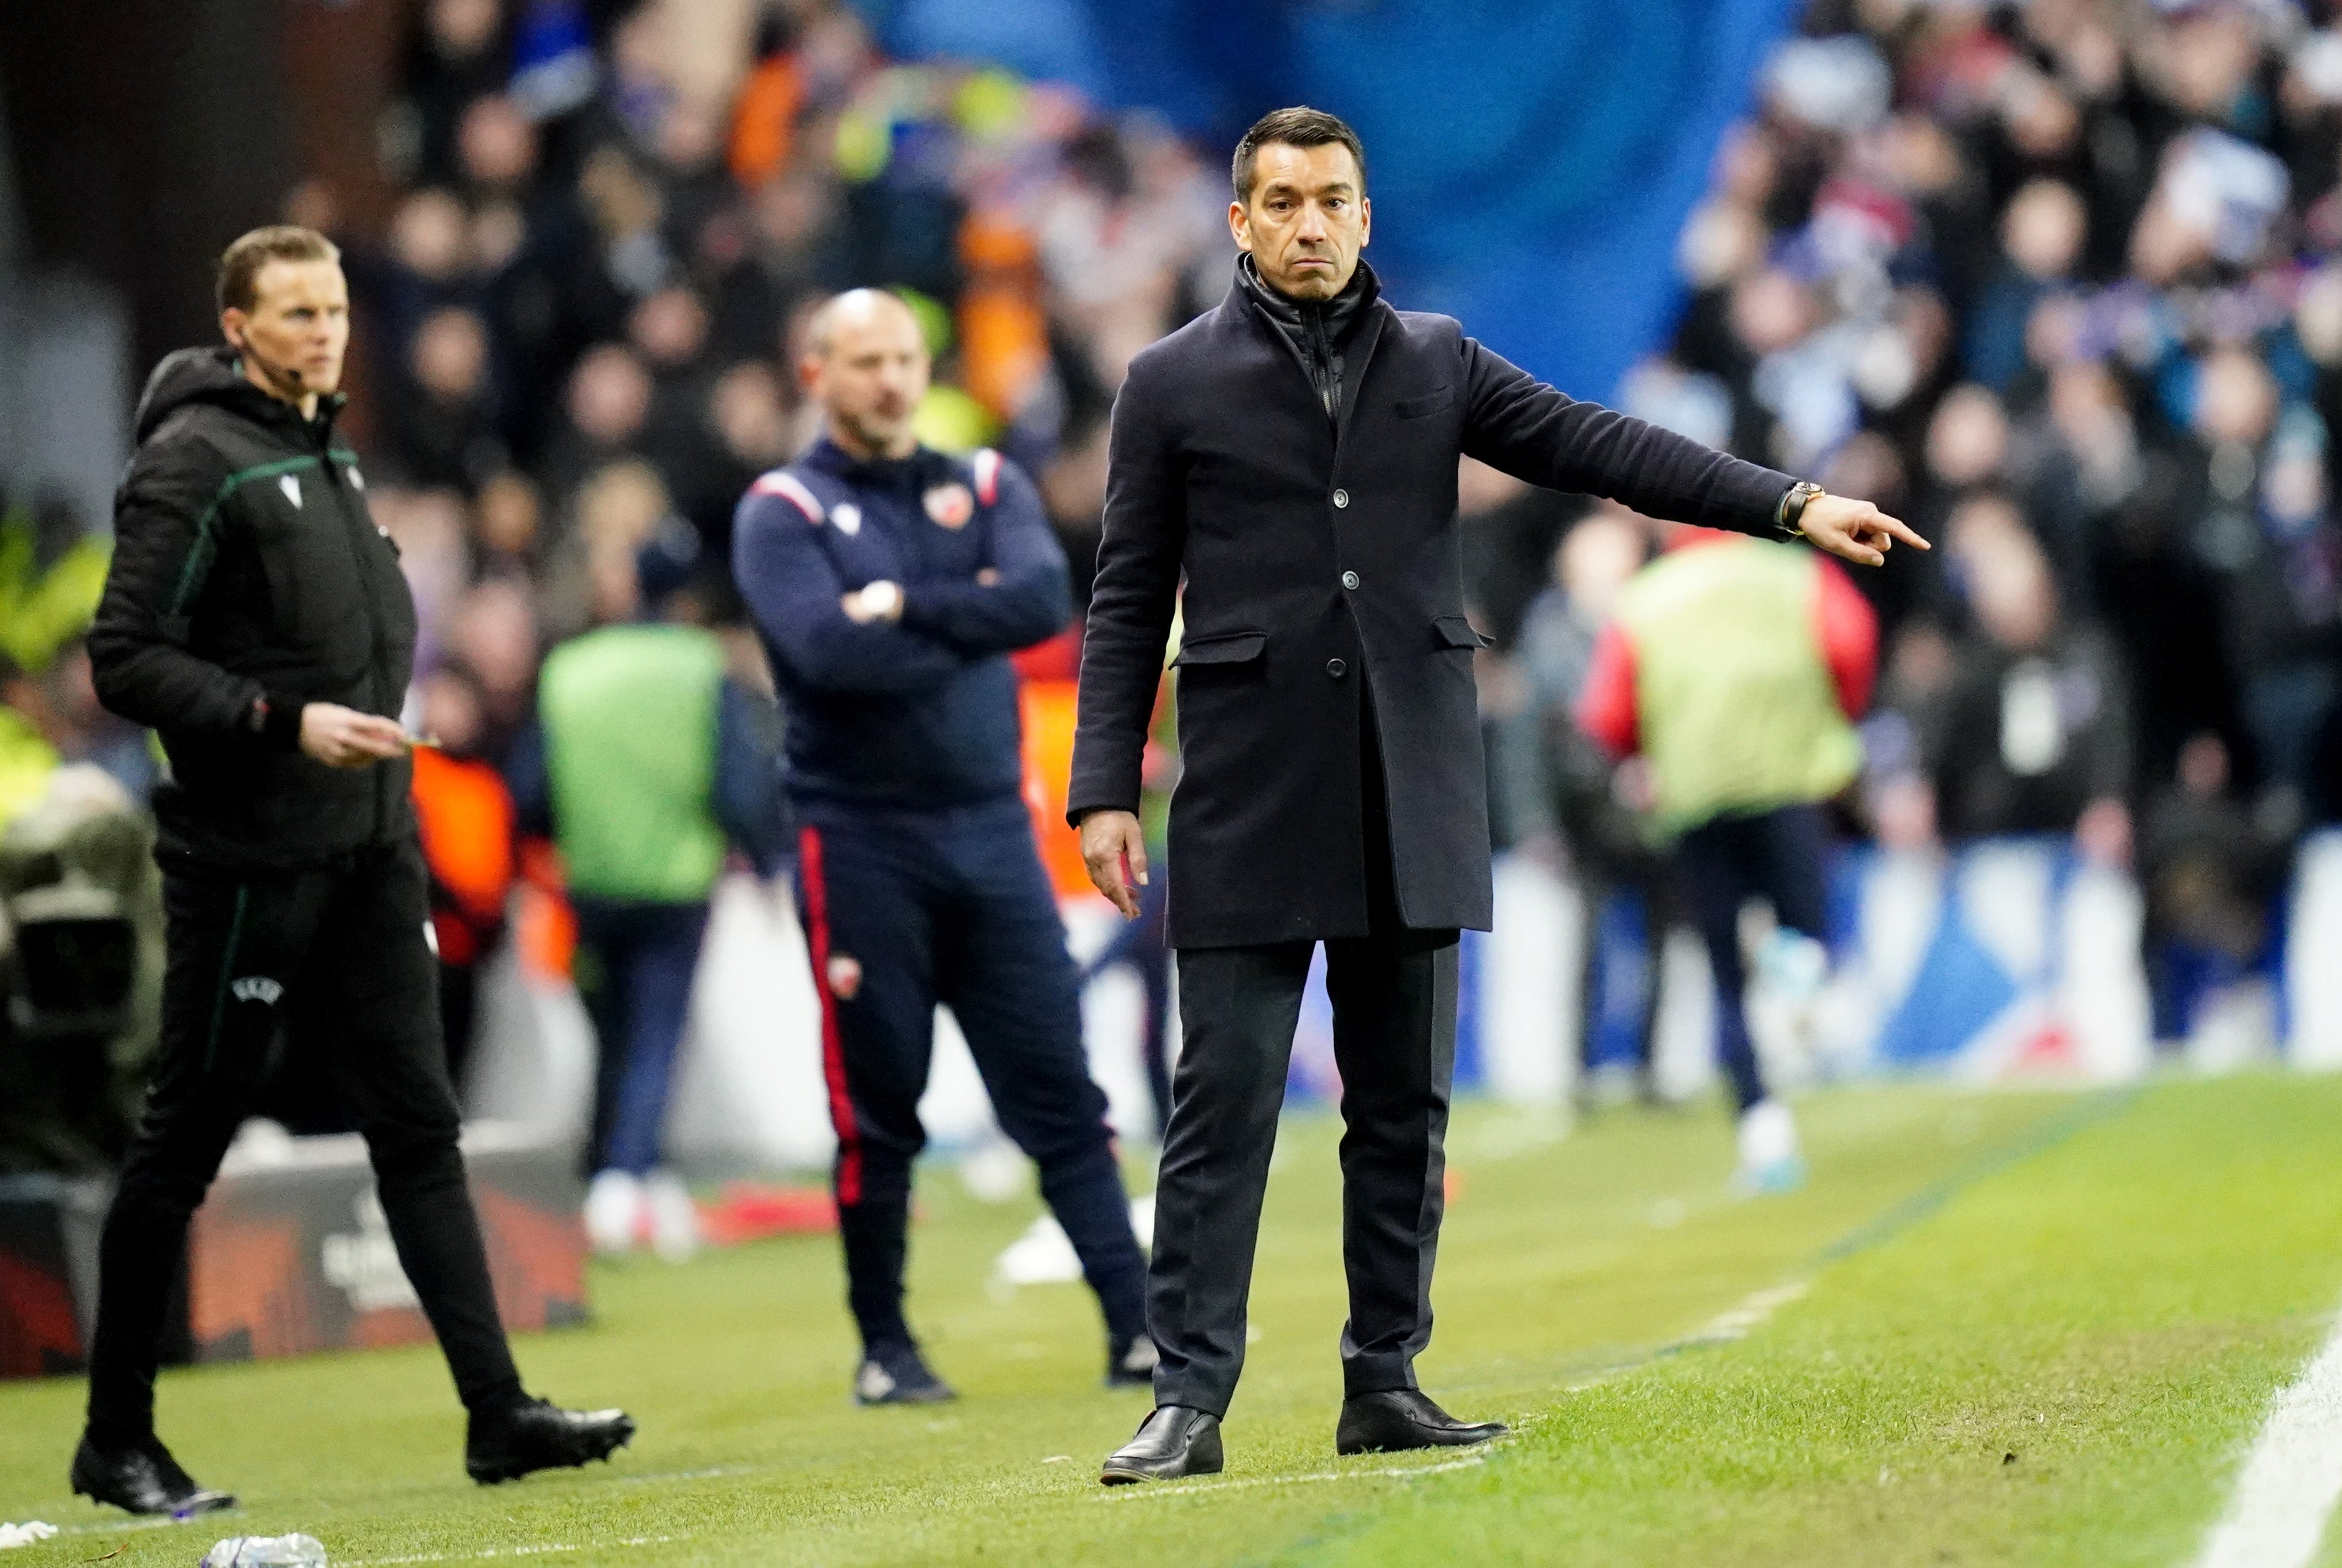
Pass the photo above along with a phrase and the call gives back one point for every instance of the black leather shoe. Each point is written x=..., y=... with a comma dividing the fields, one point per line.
x=143, y=1478
x=535, y=1435
x=1130, y=1363
x=1172, y=1442
x=1403, y=1419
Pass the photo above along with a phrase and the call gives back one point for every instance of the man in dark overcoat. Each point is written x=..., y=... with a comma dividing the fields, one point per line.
x=1292, y=455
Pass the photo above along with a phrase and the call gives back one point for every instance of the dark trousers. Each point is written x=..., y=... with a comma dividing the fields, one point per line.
x=1777, y=856
x=343, y=950
x=1394, y=996
x=904, y=911
x=1630, y=906
x=459, y=1005
x=635, y=966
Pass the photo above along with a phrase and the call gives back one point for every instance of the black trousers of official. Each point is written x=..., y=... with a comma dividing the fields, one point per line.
x=1394, y=996
x=339, y=955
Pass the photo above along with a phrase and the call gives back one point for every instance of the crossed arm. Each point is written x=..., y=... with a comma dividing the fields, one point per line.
x=887, y=636
x=812, y=622
x=1023, y=597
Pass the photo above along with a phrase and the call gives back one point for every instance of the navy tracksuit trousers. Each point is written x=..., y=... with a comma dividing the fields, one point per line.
x=635, y=963
x=1779, y=856
x=904, y=910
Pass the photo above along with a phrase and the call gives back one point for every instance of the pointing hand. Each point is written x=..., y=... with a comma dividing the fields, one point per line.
x=1855, y=530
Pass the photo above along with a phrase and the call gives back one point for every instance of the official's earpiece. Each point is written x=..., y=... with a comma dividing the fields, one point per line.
x=283, y=374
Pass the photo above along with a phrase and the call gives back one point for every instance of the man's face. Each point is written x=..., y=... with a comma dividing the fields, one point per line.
x=297, y=329
x=1306, y=221
x=869, y=373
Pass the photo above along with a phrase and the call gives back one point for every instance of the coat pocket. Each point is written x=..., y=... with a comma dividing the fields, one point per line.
x=1221, y=647
x=1454, y=631
x=1429, y=403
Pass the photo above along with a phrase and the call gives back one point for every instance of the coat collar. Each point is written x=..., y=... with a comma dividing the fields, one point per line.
x=1243, y=308
x=214, y=374
x=1337, y=315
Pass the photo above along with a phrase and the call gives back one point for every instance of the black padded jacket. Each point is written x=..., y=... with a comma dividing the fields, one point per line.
x=249, y=578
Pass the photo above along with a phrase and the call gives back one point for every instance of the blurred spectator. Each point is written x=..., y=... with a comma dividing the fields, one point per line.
x=2126, y=217
x=442, y=429
x=494, y=634
x=2035, y=736
x=1509, y=544
x=84, y=731
x=459, y=56
x=2042, y=234
x=2163, y=606
x=644, y=760
x=1732, y=670
x=2268, y=536
x=613, y=218
x=1555, y=798
x=470, y=838
x=609, y=410
x=506, y=520
x=2214, y=878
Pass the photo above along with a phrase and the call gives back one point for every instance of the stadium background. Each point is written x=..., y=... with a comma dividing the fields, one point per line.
x=2050, y=280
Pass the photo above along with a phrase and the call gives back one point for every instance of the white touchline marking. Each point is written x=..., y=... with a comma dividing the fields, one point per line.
x=709, y=1473
x=1755, y=1310
x=1204, y=1485
x=2293, y=1477
x=551, y=1549
x=117, y=1526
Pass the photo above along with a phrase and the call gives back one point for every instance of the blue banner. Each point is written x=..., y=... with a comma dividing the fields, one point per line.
x=1530, y=164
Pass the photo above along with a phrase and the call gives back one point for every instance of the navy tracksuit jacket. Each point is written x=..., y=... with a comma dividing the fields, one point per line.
x=918, y=882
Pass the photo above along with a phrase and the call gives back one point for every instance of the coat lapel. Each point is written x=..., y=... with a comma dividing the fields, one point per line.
x=1245, y=316
x=1354, y=361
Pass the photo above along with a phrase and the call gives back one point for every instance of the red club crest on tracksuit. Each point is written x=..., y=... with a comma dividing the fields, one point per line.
x=845, y=977
x=950, y=506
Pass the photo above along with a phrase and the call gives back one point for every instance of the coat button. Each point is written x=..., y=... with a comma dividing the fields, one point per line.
x=1349, y=579
x=1336, y=668
x=1341, y=498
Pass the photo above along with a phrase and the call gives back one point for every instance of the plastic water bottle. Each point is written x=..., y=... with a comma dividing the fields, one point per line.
x=266, y=1551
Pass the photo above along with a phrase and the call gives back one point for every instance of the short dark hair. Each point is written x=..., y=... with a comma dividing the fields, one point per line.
x=240, y=263
x=1299, y=126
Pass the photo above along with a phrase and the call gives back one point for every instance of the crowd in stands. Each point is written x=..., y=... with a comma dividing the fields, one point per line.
x=583, y=321
x=2058, y=283
x=2055, y=281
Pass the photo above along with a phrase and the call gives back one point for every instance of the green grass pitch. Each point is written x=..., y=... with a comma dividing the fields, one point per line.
x=1997, y=1328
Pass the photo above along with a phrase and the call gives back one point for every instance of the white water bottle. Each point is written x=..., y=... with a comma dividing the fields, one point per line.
x=266, y=1551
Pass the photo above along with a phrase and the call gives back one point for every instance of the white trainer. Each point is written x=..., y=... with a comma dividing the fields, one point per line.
x=675, y=1218
x=615, y=1216
x=1770, y=1161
